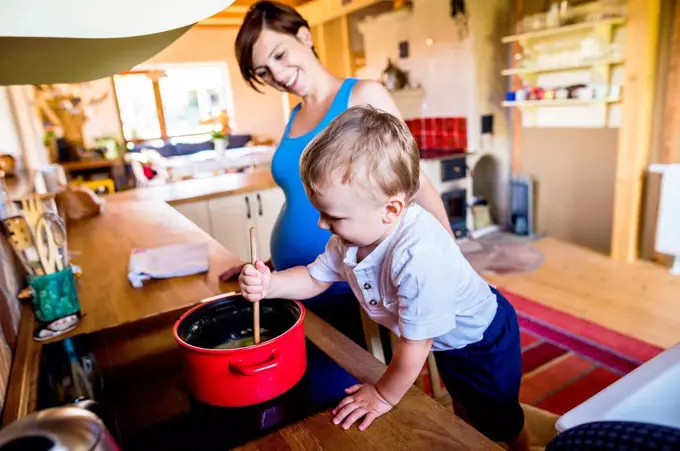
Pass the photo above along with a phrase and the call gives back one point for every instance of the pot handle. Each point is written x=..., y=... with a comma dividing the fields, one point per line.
x=251, y=370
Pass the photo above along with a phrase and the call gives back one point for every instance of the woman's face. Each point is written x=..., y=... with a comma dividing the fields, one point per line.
x=283, y=61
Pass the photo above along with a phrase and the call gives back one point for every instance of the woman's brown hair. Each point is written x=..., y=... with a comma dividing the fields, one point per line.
x=272, y=15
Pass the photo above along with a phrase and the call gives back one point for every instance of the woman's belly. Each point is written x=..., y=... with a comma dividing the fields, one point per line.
x=297, y=238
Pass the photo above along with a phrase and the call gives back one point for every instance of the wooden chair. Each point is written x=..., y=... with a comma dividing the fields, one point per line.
x=375, y=347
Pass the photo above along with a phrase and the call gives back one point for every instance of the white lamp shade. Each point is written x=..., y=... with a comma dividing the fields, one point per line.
x=72, y=41
x=101, y=18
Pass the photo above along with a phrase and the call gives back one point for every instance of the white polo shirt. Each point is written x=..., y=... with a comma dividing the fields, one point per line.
x=417, y=283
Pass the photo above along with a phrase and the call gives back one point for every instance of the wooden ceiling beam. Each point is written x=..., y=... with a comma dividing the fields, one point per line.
x=232, y=16
x=317, y=12
x=221, y=22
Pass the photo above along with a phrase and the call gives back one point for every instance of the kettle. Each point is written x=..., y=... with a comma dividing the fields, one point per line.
x=66, y=428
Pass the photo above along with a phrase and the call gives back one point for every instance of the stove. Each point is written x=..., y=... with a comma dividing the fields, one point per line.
x=200, y=426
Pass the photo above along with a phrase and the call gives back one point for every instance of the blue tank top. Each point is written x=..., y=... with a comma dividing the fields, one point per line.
x=297, y=239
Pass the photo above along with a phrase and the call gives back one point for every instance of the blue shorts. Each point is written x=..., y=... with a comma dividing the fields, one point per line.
x=484, y=377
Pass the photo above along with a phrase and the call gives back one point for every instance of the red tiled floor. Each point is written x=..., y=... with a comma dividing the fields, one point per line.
x=527, y=339
x=614, y=341
x=567, y=360
x=554, y=377
x=575, y=343
x=540, y=355
x=581, y=390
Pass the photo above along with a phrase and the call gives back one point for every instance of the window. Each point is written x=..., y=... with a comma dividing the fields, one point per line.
x=170, y=102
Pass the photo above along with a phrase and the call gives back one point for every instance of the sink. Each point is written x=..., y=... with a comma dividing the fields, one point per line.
x=648, y=394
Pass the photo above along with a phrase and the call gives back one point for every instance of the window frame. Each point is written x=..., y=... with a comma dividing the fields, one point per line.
x=155, y=73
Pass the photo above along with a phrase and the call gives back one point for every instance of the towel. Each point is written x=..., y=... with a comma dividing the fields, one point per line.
x=668, y=223
x=174, y=260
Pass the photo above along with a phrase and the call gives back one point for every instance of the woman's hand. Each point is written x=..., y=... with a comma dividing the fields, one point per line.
x=255, y=281
x=364, y=401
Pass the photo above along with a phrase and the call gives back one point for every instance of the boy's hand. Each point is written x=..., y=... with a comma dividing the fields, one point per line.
x=255, y=281
x=364, y=401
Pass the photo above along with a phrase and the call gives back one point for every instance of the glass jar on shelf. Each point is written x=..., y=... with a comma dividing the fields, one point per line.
x=552, y=18
x=534, y=22
x=615, y=51
x=591, y=49
x=565, y=13
x=612, y=8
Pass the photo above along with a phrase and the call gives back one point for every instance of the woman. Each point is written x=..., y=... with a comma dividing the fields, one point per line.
x=274, y=47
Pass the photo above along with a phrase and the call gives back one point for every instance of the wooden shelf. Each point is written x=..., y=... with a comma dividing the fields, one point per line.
x=539, y=70
x=409, y=93
x=563, y=30
x=564, y=102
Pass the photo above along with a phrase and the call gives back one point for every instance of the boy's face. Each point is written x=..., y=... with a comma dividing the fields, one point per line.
x=349, y=212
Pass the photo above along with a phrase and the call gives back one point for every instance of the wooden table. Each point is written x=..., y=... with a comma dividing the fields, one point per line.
x=199, y=189
x=106, y=297
x=104, y=242
x=418, y=422
x=113, y=308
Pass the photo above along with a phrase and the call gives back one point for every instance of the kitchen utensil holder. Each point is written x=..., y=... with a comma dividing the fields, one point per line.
x=54, y=295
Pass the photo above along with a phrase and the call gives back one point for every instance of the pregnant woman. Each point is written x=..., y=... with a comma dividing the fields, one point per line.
x=274, y=47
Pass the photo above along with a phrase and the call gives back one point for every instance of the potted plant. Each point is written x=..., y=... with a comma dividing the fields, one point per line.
x=220, y=142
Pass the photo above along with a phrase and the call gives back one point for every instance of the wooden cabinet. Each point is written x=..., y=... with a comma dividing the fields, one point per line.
x=231, y=217
x=198, y=213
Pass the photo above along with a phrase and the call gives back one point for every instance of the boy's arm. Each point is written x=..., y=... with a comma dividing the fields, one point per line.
x=370, y=401
x=304, y=282
x=403, y=370
x=295, y=283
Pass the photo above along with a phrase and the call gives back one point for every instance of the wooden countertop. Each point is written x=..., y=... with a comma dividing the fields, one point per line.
x=199, y=189
x=106, y=297
x=108, y=301
x=417, y=422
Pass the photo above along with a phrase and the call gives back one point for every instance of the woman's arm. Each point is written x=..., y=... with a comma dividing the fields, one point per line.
x=369, y=92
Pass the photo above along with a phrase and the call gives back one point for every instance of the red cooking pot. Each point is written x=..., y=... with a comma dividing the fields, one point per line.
x=248, y=375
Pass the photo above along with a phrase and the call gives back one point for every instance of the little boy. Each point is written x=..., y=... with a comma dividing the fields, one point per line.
x=407, y=272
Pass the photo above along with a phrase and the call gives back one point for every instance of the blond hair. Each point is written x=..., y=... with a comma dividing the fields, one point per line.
x=367, y=146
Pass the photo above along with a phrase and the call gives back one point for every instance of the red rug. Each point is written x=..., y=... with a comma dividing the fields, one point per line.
x=565, y=359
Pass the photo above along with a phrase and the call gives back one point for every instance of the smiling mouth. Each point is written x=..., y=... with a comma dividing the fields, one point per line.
x=291, y=82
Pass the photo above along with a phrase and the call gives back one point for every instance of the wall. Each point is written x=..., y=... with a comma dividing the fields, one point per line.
x=488, y=21
x=28, y=126
x=102, y=118
x=665, y=146
x=438, y=59
x=10, y=141
x=574, y=169
x=262, y=114
x=459, y=73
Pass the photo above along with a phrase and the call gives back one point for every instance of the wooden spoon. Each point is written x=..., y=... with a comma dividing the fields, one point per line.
x=256, y=305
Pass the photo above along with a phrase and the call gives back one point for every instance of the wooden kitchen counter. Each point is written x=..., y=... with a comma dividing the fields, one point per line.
x=101, y=247
x=104, y=242
x=418, y=422
x=135, y=324
x=200, y=189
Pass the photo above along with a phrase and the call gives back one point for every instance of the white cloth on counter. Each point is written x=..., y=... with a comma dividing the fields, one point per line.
x=174, y=260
